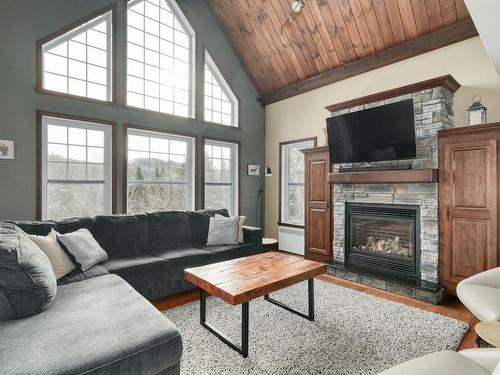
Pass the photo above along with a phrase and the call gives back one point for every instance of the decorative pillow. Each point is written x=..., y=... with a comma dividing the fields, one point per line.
x=60, y=261
x=200, y=220
x=83, y=247
x=27, y=281
x=223, y=231
x=241, y=237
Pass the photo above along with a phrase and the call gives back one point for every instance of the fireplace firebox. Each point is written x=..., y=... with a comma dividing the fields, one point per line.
x=383, y=239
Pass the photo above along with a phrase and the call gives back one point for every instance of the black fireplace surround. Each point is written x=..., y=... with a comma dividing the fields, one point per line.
x=383, y=240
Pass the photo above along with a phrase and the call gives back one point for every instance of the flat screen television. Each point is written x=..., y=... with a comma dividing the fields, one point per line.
x=381, y=133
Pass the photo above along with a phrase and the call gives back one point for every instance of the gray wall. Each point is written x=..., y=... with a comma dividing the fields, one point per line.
x=23, y=22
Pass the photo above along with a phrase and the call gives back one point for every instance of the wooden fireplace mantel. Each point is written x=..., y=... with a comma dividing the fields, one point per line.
x=385, y=177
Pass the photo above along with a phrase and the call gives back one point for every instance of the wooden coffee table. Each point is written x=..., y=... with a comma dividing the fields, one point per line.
x=241, y=280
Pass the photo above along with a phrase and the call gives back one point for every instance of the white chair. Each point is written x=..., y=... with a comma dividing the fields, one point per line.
x=466, y=362
x=481, y=295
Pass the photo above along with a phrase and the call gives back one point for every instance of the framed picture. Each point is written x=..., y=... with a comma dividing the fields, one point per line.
x=253, y=170
x=6, y=149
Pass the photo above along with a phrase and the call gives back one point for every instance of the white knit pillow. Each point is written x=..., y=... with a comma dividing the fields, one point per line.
x=241, y=237
x=60, y=261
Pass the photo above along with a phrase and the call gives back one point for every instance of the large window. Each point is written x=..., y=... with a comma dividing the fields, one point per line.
x=160, y=172
x=160, y=58
x=221, y=175
x=79, y=62
x=221, y=105
x=76, y=168
x=292, y=171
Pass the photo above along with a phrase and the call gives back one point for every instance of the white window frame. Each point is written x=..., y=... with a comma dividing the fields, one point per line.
x=285, y=177
x=177, y=12
x=210, y=65
x=108, y=159
x=191, y=155
x=66, y=37
x=235, y=170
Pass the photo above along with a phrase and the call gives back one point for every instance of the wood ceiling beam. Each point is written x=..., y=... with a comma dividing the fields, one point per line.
x=437, y=39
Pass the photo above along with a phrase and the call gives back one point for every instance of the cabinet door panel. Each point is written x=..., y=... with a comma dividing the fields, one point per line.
x=468, y=210
x=318, y=242
x=471, y=237
x=318, y=173
x=318, y=223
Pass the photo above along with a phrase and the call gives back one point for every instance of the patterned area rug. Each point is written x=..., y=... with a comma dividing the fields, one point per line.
x=354, y=333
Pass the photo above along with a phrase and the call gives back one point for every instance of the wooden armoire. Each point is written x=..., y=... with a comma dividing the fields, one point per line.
x=318, y=205
x=469, y=187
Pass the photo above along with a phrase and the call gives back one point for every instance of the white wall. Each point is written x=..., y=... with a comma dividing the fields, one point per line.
x=304, y=115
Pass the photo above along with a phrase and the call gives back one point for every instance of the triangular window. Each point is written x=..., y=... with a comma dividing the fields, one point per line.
x=221, y=105
x=79, y=61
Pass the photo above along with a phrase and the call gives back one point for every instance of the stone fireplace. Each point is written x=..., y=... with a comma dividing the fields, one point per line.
x=395, y=254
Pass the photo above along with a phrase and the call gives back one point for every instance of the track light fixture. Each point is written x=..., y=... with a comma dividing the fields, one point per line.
x=295, y=8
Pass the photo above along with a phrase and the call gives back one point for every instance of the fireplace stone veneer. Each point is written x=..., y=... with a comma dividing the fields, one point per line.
x=433, y=112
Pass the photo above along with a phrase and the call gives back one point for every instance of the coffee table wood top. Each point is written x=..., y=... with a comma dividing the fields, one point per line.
x=241, y=280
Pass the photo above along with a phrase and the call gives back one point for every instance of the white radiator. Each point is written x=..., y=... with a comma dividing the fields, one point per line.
x=291, y=239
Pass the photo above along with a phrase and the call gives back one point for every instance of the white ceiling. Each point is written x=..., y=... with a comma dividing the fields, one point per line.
x=486, y=17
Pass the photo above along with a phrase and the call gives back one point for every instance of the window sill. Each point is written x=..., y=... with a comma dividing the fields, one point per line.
x=74, y=97
x=291, y=225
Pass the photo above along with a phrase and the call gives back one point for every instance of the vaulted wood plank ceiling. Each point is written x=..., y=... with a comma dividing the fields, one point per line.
x=330, y=40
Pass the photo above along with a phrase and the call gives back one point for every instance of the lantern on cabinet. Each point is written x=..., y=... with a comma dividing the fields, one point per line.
x=476, y=113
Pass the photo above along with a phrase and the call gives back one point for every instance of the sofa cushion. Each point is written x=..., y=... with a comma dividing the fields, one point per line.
x=180, y=259
x=145, y=273
x=59, y=260
x=122, y=235
x=84, y=249
x=38, y=228
x=169, y=229
x=73, y=224
x=227, y=252
x=79, y=275
x=200, y=221
x=26, y=276
x=98, y=326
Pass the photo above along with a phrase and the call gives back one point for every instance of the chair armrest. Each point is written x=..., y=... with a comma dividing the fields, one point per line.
x=253, y=235
x=485, y=357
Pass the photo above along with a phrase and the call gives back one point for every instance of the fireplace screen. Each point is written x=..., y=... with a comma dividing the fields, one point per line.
x=384, y=236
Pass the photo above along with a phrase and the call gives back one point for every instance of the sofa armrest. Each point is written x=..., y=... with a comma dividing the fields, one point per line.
x=253, y=235
x=488, y=358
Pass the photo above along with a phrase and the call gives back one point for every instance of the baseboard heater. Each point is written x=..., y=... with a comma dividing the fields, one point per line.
x=291, y=240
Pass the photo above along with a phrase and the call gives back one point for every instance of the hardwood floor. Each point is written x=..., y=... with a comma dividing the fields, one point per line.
x=453, y=308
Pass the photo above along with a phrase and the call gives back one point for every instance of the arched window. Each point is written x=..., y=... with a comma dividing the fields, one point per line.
x=160, y=58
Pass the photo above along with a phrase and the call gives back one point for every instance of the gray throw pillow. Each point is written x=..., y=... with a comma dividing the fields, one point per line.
x=223, y=231
x=27, y=282
x=83, y=247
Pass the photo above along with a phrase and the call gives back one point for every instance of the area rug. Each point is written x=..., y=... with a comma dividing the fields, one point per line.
x=354, y=333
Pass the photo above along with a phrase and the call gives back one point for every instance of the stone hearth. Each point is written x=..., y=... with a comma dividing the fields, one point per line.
x=433, y=112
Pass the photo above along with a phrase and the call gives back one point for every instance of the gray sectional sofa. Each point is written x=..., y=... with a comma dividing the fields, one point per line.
x=99, y=323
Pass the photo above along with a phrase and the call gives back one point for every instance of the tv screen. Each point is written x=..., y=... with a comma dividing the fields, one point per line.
x=381, y=133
